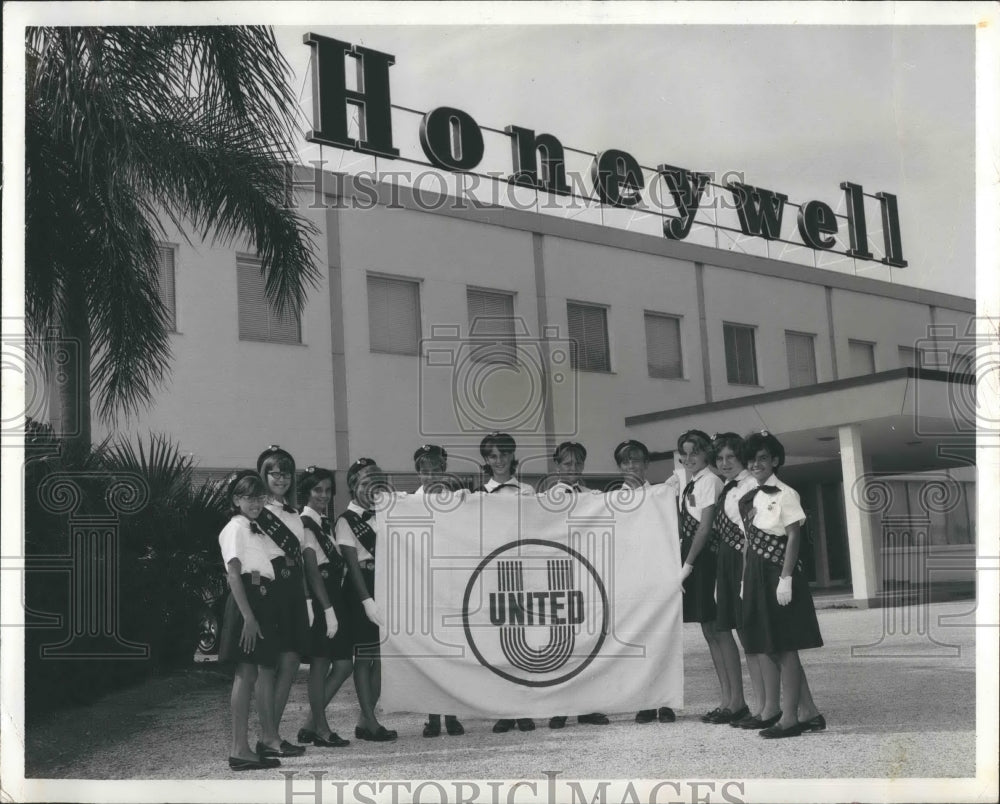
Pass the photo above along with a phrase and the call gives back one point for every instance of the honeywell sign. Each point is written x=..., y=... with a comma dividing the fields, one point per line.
x=452, y=140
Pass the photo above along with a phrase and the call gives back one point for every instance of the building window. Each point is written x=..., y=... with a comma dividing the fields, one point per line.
x=258, y=320
x=491, y=320
x=801, y=351
x=909, y=357
x=394, y=315
x=741, y=354
x=663, y=346
x=862, y=357
x=165, y=283
x=588, y=334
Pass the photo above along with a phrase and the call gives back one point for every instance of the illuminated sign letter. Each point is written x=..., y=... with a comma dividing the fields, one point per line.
x=856, y=225
x=451, y=139
x=890, y=231
x=686, y=189
x=613, y=170
x=525, y=147
x=759, y=210
x=815, y=220
x=331, y=96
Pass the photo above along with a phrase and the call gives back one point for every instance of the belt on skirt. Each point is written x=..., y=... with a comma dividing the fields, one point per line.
x=256, y=579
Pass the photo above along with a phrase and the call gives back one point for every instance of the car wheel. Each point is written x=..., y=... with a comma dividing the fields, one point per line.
x=208, y=633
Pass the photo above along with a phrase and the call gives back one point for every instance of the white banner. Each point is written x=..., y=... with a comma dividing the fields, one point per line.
x=530, y=606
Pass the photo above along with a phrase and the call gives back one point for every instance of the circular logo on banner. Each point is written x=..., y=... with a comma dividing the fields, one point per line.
x=535, y=612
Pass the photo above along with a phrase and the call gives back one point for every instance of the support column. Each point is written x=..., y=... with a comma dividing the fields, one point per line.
x=860, y=535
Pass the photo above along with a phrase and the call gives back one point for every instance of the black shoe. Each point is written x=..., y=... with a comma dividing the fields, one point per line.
x=557, y=722
x=748, y=722
x=503, y=726
x=817, y=723
x=380, y=735
x=285, y=750
x=432, y=728
x=728, y=716
x=265, y=763
x=666, y=715
x=525, y=724
x=775, y=732
x=594, y=719
x=709, y=717
x=333, y=741
x=453, y=727
x=645, y=716
x=305, y=736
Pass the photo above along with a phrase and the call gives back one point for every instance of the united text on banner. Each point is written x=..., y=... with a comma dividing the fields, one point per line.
x=529, y=606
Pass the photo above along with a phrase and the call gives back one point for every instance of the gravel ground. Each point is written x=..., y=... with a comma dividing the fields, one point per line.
x=907, y=711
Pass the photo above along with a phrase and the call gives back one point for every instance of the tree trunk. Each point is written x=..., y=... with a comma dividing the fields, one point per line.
x=71, y=372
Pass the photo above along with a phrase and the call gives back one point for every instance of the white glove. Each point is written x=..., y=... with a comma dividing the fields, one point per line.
x=686, y=570
x=309, y=612
x=372, y=612
x=741, y=590
x=673, y=482
x=784, y=590
x=331, y=622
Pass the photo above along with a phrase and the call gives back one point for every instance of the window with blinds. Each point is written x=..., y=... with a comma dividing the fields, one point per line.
x=862, y=357
x=801, y=351
x=491, y=320
x=663, y=346
x=588, y=335
x=393, y=315
x=257, y=319
x=741, y=354
x=165, y=283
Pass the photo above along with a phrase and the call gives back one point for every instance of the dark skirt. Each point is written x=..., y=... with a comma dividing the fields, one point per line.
x=342, y=644
x=768, y=627
x=265, y=650
x=728, y=575
x=290, y=608
x=366, y=633
x=699, y=588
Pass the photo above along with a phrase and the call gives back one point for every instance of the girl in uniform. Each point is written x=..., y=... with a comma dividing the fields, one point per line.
x=281, y=523
x=431, y=465
x=498, y=450
x=729, y=534
x=697, y=511
x=355, y=535
x=632, y=458
x=779, y=619
x=330, y=635
x=249, y=636
x=570, y=458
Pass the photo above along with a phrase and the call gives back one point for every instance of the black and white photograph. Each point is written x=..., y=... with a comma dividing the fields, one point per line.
x=484, y=402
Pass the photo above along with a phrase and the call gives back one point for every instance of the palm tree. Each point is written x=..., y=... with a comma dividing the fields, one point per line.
x=125, y=127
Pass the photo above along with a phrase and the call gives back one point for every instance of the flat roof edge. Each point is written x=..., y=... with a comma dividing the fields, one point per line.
x=399, y=196
x=801, y=391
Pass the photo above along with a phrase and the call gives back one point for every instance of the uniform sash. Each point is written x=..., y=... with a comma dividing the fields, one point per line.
x=322, y=535
x=688, y=524
x=360, y=527
x=766, y=545
x=727, y=531
x=279, y=533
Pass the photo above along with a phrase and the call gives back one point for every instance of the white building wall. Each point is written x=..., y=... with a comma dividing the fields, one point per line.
x=628, y=283
x=888, y=323
x=387, y=417
x=772, y=306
